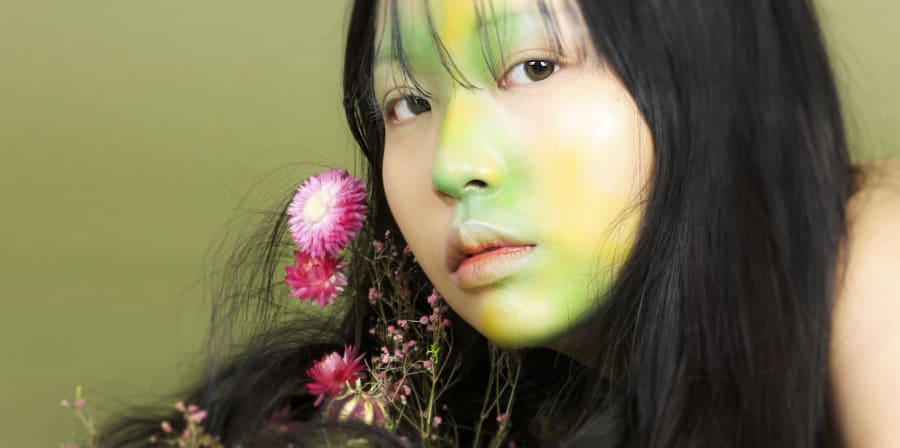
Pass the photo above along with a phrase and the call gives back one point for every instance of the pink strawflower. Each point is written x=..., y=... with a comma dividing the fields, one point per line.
x=315, y=278
x=331, y=373
x=326, y=212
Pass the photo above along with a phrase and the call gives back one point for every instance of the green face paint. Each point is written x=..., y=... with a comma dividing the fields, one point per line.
x=519, y=194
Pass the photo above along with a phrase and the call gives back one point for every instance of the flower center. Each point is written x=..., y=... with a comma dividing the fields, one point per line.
x=317, y=207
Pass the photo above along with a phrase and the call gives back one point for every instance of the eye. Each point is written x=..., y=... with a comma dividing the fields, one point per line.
x=407, y=108
x=528, y=72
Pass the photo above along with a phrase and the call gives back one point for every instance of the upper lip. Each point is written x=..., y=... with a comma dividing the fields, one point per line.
x=472, y=237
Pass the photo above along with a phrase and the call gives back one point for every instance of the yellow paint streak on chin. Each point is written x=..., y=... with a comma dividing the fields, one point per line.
x=523, y=323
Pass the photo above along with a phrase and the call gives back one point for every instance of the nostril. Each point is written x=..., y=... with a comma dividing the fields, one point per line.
x=477, y=184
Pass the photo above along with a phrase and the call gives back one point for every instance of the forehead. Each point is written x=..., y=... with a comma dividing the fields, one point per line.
x=419, y=29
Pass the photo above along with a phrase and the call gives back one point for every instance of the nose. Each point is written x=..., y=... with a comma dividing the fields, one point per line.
x=468, y=161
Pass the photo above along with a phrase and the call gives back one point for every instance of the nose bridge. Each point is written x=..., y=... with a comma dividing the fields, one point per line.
x=467, y=162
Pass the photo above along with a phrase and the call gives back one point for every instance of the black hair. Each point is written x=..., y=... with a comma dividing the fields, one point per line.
x=716, y=330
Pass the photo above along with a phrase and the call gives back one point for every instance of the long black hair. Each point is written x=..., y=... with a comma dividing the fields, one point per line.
x=716, y=330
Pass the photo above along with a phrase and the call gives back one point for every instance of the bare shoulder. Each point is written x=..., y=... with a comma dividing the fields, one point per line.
x=865, y=344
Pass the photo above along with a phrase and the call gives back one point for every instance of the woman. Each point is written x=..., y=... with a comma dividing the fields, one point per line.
x=659, y=191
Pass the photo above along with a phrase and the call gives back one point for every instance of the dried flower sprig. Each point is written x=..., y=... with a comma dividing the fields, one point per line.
x=415, y=365
x=85, y=416
x=193, y=435
x=505, y=367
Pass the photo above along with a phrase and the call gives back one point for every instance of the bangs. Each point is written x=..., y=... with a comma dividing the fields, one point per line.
x=490, y=36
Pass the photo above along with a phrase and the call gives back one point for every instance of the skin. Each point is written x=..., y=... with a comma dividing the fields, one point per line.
x=864, y=359
x=563, y=162
x=558, y=162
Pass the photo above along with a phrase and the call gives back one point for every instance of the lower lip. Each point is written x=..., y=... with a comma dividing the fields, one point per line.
x=492, y=266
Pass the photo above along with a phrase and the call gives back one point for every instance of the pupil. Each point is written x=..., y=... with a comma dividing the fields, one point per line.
x=538, y=70
x=418, y=105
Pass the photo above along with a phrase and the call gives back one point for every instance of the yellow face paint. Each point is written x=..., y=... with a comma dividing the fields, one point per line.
x=520, y=197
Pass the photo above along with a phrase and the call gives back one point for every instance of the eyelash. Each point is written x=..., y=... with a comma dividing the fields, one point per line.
x=390, y=108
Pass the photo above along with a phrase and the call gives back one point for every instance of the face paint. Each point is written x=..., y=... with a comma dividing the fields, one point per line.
x=520, y=194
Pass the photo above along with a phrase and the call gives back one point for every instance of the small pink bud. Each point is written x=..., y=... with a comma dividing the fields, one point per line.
x=502, y=417
x=198, y=416
x=166, y=427
x=436, y=421
x=80, y=402
x=179, y=405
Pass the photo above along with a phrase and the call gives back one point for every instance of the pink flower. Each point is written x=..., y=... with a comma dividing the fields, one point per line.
x=331, y=373
x=316, y=278
x=326, y=212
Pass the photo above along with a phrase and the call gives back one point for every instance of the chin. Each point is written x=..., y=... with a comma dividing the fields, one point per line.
x=515, y=335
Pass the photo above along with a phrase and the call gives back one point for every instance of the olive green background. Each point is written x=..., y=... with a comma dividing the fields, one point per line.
x=135, y=134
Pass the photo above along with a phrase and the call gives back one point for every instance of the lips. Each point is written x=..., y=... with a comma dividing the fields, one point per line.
x=479, y=254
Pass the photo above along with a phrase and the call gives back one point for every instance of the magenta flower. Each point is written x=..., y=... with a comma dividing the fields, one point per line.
x=331, y=373
x=326, y=212
x=315, y=278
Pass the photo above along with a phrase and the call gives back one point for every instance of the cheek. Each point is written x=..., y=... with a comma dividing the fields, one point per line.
x=408, y=188
x=590, y=176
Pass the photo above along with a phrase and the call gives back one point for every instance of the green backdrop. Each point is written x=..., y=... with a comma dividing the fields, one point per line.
x=134, y=133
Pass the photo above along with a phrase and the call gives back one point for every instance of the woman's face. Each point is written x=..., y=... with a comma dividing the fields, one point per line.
x=518, y=189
